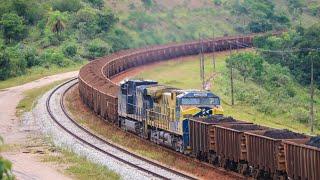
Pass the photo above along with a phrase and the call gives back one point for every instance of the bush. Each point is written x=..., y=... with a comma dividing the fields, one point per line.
x=31, y=57
x=13, y=27
x=217, y=2
x=301, y=115
x=91, y=21
x=315, y=9
x=17, y=62
x=147, y=3
x=4, y=66
x=97, y=48
x=70, y=50
x=106, y=20
x=30, y=10
x=66, y=5
x=261, y=26
x=96, y=3
x=14, y=61
x=53, y=57
x=266, y=107
x=119, y=40
x=85, y=21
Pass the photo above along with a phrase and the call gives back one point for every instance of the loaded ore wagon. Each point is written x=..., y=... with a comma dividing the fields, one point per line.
x=231, y=145
x=302, y=158
x=265, y=152
x=203, y=136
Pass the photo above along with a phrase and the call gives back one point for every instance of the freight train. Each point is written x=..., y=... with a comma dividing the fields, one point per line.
x=249, y=149
x=192, y=122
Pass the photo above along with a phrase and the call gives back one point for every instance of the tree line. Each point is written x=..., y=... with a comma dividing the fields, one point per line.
x=61, y=33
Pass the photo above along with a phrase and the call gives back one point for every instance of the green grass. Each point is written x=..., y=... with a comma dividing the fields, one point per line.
x=286, y=113
x=37, y=73
x=80, y=168
x=30, y=97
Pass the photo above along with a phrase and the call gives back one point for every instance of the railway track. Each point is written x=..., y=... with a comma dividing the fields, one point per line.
x=142, y=164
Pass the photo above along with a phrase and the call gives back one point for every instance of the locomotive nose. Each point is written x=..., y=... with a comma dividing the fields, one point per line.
x=204, y=111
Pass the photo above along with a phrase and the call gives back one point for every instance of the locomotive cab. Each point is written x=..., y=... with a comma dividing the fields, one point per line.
x=195, y=103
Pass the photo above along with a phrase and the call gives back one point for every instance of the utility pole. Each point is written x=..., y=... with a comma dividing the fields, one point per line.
x=231, y=77
x=213, y=51
x=311, y=96
x=201, y=62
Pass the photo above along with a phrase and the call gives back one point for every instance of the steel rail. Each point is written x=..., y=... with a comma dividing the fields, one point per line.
x=106, y=142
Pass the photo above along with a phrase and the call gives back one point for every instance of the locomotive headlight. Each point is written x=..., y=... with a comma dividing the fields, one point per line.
x=218, y=110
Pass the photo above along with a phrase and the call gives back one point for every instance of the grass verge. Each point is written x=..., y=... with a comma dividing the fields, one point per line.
x=37, y=73
x=79, y=167
x=30, y=97
x=75, y=166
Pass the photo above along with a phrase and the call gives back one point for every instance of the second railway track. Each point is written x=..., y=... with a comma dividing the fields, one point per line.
x=150, y=168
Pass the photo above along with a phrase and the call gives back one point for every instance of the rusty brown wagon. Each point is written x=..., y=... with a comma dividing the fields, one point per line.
x=302, y=161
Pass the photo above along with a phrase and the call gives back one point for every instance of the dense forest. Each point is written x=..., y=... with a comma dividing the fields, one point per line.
x=42, y=34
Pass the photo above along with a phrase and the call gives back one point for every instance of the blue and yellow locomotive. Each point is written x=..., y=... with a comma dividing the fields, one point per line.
x=160, y=113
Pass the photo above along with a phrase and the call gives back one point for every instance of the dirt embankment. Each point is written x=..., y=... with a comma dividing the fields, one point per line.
x=23, y=139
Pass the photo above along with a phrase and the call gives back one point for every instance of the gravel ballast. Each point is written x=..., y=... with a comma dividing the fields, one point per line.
x=65, y=140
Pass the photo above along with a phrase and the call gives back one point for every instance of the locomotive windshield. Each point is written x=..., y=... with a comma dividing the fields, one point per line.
x=200, y=101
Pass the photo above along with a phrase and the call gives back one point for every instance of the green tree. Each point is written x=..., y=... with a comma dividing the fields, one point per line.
x=13, y=27
x=248, y=64
x=70, y=49
x=147, y=3
x=69, y=5
x=86, y=22
x=30, y=10
x=55, y=27
x=31, y=56
x=259, y=15
x=51, y=56
x=106, y=20
x=96, y=3
x=119, y=40
x=4, y=66
x=97, y=48
x=278, y=50
x=18, y=62
x=295, y=6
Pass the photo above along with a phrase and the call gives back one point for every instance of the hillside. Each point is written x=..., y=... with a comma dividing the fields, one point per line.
x=39, y=34
x=43, y=37
x=265, y=104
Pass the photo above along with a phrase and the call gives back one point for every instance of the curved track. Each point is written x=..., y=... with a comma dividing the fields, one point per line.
x=154, y=169
x=99, y=92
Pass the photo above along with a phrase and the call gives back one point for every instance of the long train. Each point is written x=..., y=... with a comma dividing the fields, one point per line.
x=235, y=145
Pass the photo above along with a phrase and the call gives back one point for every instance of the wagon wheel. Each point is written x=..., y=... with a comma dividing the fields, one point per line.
x=255, y=173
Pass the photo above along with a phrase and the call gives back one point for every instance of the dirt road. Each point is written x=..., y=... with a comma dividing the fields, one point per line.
x=26, y=165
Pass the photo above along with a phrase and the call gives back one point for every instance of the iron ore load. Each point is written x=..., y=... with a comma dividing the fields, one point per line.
x=192, y=121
